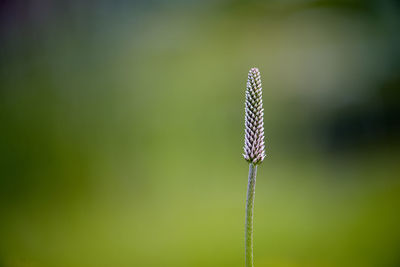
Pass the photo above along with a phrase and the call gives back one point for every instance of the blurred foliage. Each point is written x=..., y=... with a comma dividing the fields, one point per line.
x=122, y=132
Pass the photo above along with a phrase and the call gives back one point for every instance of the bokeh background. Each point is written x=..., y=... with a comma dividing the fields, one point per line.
x=122, y=132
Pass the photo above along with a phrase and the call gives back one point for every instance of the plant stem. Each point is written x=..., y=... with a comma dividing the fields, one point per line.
x=251, y=191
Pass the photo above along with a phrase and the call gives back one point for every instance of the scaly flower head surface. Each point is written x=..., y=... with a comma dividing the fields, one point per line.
x=254, y=148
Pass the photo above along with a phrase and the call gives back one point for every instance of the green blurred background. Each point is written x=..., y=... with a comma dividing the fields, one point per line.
x=122, y=126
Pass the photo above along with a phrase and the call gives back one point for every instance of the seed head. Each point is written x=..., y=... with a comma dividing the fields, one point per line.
x=254, y=149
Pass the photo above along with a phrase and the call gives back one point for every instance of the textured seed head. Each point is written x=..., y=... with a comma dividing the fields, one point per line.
x=254, y=149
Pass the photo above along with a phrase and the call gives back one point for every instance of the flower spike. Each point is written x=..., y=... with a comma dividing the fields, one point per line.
x=254, y=148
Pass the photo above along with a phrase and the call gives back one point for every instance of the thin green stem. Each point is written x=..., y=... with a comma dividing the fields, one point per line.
x=251, y=191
